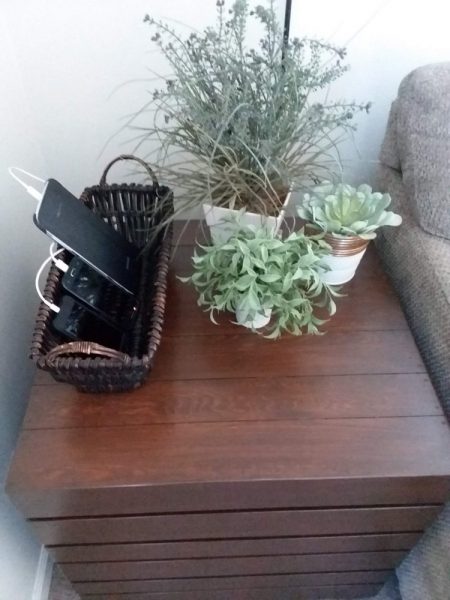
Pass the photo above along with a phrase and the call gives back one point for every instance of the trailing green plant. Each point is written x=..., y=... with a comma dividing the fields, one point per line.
x=343, y=210
x=237, y=126
x=256, y=271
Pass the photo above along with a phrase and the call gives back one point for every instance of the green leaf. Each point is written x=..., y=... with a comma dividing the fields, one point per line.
x=298, y=274
x=243, y=282
x=242, y=247
x=287, y=282
x=253, y=301
x=269, y=277
x=274, y=335
x=331, y=307
x=264, y=253
x=258, y=263
x=211, y=316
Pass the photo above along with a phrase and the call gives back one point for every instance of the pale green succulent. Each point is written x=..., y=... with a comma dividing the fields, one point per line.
x=343, y=210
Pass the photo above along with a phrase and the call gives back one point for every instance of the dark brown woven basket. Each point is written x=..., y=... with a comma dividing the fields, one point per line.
x=130, y=209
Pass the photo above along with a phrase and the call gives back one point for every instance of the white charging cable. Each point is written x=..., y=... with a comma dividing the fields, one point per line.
x=62, y=266
x=30, y=189
x=52, y=256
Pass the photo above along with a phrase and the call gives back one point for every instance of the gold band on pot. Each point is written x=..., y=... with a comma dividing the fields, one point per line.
x=345, y=246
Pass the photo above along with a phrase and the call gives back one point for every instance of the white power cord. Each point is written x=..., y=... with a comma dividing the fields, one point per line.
x=38, y=276
x=62, y=266
x=30, y=189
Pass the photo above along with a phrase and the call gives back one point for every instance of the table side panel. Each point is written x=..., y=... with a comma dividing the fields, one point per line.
x=231, y=583
x=219, y=567
x=270, y=523
x=238, y=495
x=109, y=459
x=235, y=547
x=297, y=593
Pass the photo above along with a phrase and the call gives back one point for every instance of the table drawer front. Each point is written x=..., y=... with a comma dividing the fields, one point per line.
x=253, y=495
x=247, y=582
x=249, y=547
x=234, y=525
x=299, y=593
x=218, y=567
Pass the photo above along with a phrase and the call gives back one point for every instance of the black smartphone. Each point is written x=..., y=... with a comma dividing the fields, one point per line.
x=76, y=322
x=97, y=293
x=67, y=221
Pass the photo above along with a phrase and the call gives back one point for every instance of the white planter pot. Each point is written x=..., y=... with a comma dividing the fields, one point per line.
x=222, y=225
x=342, y=268
x=259, y=321
x=346, y=254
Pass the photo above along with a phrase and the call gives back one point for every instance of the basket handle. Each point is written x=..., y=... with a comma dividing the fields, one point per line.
x=146, y=166
x=89, y=348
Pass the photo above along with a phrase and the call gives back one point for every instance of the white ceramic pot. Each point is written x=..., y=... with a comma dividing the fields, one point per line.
x=222, y=225
x=342, y=268
x=261, y=320
x=346, y=255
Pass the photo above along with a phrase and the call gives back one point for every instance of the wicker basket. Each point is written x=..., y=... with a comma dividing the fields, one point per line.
x=129, y=208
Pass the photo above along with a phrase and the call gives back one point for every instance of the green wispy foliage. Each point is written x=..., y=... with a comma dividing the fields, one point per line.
x=256, y=270
x=238, y=126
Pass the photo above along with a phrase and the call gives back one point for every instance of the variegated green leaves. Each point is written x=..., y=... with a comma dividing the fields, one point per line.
x=256, y=271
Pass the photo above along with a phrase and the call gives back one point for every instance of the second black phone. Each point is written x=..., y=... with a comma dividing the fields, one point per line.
x=110, y=302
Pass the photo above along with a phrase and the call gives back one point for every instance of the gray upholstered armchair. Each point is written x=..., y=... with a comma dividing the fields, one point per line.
x=415, y=170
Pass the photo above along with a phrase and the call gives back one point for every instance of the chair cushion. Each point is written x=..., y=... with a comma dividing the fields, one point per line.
x=419, y=265
x=422, y=129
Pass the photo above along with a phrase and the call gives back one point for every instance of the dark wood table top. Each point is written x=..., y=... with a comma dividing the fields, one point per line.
x=229, y=420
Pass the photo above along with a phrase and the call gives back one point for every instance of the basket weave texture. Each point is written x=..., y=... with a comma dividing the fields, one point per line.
x=130, y=209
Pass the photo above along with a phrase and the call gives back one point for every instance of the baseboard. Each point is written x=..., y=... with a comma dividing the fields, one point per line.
x=43, y=577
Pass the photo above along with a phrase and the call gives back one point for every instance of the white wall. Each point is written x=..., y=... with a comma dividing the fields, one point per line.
x=19, y=247
x=390, y=39
x=73, y=55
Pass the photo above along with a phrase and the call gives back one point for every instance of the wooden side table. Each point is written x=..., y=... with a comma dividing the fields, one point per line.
x=245, y=468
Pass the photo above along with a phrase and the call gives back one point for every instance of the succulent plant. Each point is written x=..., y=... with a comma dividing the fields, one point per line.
x=256, y=271
x=343, y=210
